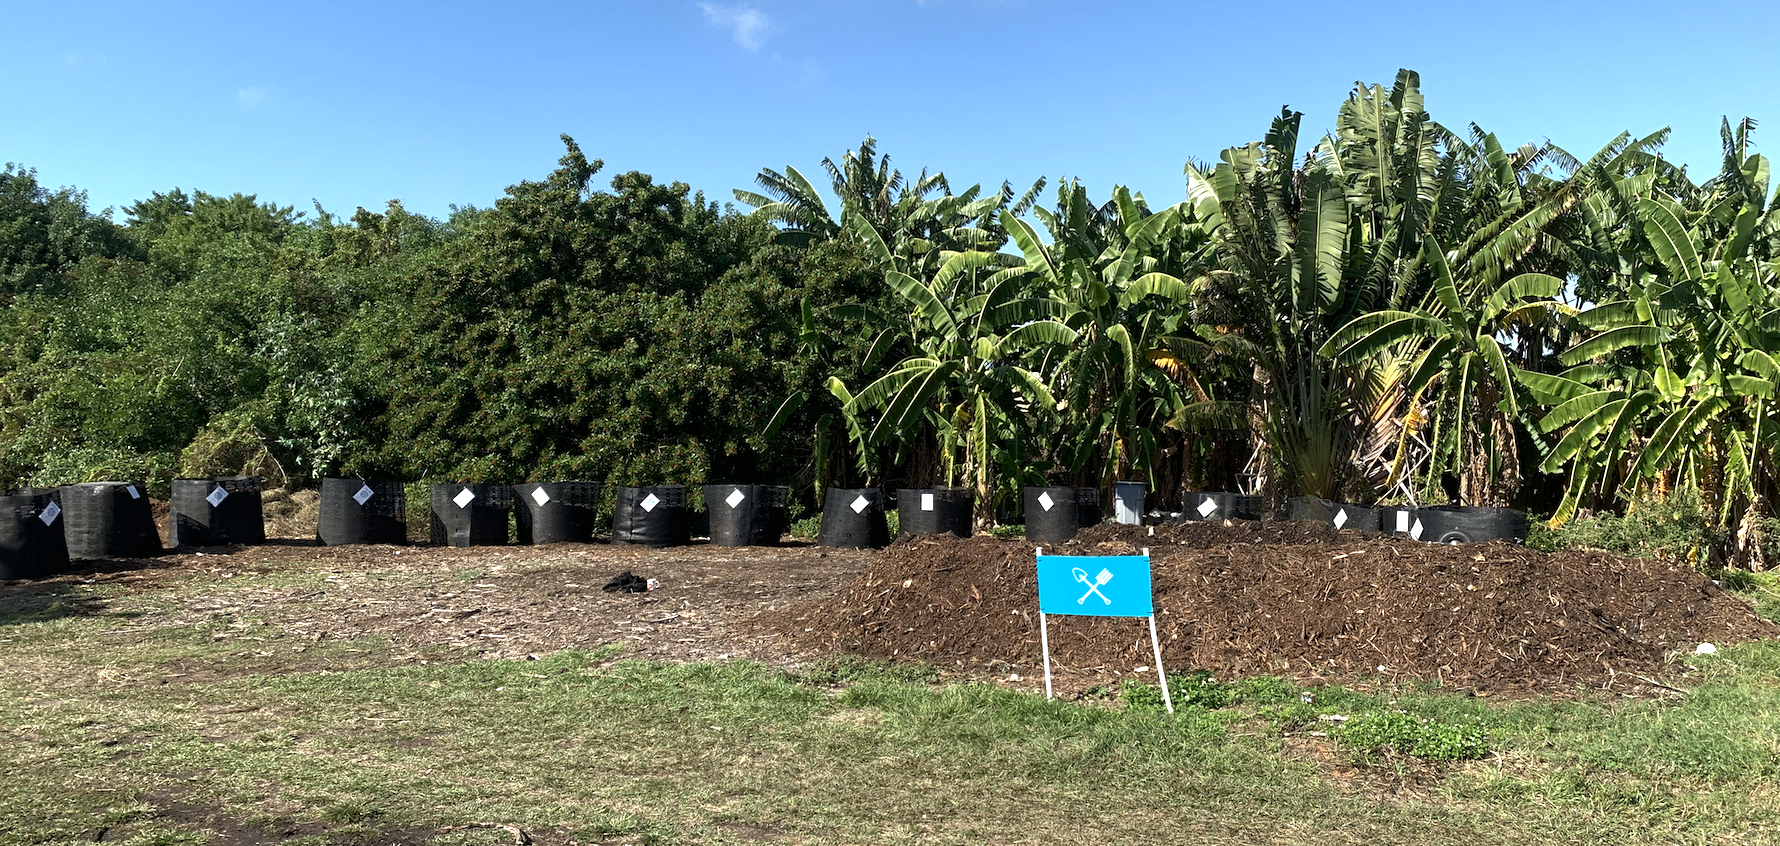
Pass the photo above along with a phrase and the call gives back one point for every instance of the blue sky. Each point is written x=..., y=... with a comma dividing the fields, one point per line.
x=438, y=103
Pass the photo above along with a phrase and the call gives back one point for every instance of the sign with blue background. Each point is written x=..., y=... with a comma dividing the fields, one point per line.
x=1095, y=585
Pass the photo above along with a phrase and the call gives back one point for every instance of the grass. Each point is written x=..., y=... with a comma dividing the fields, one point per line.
x=592, y=746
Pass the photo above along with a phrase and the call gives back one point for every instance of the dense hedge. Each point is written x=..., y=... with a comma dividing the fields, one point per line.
x=639, y=334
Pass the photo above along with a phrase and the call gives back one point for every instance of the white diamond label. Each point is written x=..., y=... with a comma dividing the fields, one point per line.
x=1416, y=530
x=1044, y=499
x=50, y=512
x=1340, y=517
x=735, y=498
x=926, y=502
x=464, y=498
x=134, y=494
x=1205, y=508
x=364, y=495
x=649, y=502
x=539, y=497
x=216, y=497
x=1402, y=521
x=860, y=503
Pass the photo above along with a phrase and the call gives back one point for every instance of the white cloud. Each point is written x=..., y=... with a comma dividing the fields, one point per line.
x=747, y=25
x=252, y=94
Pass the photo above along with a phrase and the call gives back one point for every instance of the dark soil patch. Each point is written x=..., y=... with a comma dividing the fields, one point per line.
x=228, y=830
x=1293, y=599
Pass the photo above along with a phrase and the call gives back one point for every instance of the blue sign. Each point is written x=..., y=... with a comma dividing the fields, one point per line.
x=1095, y=585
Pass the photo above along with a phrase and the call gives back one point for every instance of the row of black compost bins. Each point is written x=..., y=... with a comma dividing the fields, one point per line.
x=32, y=543
x=216, y=512
x=747, y=515
x=1341, y=515
x=1219, y=505
x=469, y=514
x=108, y=520
x=655, y=517
x=1054, y=515
x=360, y=511
x=854, y=518
x=1433, y=524
x=935, y=511
x=555, y=512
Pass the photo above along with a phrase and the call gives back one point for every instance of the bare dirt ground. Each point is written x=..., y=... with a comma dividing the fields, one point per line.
x=485, y=602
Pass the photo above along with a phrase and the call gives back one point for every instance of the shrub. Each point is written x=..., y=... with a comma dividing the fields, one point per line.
x=805, y=529
x=1674, y=527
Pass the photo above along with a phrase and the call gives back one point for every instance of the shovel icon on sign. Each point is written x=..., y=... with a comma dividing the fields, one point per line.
x=1094, y=586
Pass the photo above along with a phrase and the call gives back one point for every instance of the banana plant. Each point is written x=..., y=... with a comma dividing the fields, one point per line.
x=1102, y=276
x=1455, y=351
x=1674, y=389
x=970, y=327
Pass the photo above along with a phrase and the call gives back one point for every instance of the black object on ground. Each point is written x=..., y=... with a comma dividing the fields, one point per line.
x=470, y=514
x=655, y=517
x=626, y=582
x=109, y=520
x=854, y=518
x=935, y=511
x=31, y=541
x=214, y=512
x=357, y=511
x=555, y=512
x=746, y=515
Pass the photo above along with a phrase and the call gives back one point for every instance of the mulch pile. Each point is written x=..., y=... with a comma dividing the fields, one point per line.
x=1294, y=599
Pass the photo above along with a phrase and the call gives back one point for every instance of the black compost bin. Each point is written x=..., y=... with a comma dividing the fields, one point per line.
x=656, y=516
x=470, y=514
x=357, y=511
x=746, y=515
x=555, y=512
x=1471, y=524
x=1087, y=507
x=1219, y=506
x=213, y=512
x=108, y=520
x=935, y=511
x=1053, y=515
x=854, y=518
x=1396, y=520
x=32, y=544
x=1341, y=515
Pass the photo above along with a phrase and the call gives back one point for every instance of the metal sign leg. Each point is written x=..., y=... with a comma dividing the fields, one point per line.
x=1160, y=673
